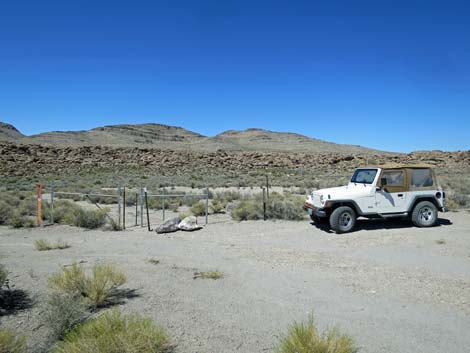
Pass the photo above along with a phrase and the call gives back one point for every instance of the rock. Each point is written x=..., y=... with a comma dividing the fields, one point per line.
x=169, y=226
x=189, y=224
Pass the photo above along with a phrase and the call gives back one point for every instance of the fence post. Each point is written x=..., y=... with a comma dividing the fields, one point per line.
x=141, y=206
x=267, y=186
x=147, y=207
x=119, y=206
x=124, y=208
x=39, y=205
x=264, y=204
x=136, y=209
x=52, y=203
x=163, y=203
x=207, y=203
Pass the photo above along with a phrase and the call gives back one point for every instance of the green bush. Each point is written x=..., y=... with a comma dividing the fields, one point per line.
x=67, y=212
x=287, y=207
x=61, y=313
x=218, y=206
x=114, y=332
x=11, y=343
x=199, y=208
x=305, y=338
x=5, y=212
x=96, y=289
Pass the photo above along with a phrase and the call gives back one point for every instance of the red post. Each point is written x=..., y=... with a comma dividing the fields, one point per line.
x=39, y=213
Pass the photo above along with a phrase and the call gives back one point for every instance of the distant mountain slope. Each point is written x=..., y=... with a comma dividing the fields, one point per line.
x=265, y=140
x=9, y=132
x=177, y=138
x=152, y=135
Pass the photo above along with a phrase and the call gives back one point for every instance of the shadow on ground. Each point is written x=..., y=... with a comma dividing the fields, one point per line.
x=377, y=224
x=120, y=296
x=13, y=301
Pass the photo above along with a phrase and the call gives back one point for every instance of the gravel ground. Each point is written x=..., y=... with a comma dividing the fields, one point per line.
x=394, y=287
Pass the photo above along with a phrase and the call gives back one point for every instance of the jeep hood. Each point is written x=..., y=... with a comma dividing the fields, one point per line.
x=345, y=192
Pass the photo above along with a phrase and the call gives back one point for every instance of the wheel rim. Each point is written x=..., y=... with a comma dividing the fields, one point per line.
x=426, y=215
x=345, y=220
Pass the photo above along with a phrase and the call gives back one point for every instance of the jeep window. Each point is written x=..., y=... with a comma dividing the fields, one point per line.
x=421, y=178
x=393, y=177
x=364, y=176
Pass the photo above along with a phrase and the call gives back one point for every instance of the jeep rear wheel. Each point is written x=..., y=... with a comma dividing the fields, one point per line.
x=424, y=214
x=343, y=219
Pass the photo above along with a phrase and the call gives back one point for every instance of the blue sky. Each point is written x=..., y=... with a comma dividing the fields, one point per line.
x=393, y=75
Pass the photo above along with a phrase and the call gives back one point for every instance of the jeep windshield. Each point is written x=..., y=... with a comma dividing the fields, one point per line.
x=364, y=176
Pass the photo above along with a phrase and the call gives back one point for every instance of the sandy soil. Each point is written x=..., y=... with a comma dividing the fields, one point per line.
x=392, y=286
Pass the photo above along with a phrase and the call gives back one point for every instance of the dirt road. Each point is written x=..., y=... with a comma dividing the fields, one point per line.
x=396, y=288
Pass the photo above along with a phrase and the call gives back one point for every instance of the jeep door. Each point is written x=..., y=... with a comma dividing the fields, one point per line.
x=391, y=197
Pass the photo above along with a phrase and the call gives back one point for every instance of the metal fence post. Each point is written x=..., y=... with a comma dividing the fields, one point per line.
x=39, y=204
x=147, y=207
x=119, y=206
x=264, y=204
x=163, y=204
x=124, y=208
x=141, y=207
x=52, y=203
x=207, y=204
x=136, y=210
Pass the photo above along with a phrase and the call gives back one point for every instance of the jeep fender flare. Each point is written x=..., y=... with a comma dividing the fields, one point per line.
x=338, y=203
x=417, y=199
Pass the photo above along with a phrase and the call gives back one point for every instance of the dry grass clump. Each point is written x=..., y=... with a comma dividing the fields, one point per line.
x=440, y=241
x=44, y=245
x=208, y=275
x=11, y=343
x=304, y=338
x=452, y=205
x=153, y=261
x=114, y=332
x=96, y=289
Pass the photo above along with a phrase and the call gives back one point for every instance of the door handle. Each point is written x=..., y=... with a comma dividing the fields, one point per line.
x=400, y=195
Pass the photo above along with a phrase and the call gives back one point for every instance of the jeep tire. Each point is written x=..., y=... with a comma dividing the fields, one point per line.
x=343, y=219
x=424, y=214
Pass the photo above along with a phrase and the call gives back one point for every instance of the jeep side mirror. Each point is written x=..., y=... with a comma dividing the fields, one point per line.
x=383, y=181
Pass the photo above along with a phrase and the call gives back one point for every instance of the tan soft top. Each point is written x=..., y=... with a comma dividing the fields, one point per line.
x=400, y=165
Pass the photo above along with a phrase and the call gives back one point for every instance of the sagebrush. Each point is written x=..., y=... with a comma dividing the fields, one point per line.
x=11, y=343
x=114, y=332
x=96, y=289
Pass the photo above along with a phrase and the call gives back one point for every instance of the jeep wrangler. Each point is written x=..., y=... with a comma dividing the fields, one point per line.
x=380, y=192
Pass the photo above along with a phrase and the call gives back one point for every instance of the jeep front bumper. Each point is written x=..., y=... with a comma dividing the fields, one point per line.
x=314, y=211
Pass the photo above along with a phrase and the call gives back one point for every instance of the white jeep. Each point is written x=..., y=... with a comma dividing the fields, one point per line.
x=380, y=192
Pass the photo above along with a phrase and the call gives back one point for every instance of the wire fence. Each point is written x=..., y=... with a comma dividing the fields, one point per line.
x=134, y=204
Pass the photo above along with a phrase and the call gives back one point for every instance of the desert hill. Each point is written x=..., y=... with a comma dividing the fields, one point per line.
x=177, y=138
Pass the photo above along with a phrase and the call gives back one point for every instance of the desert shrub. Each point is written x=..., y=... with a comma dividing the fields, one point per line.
x=248, y=210
x=305, y=338
x=5, y=212
x=183, y=215
x=288, y=207
x=43, y=245
x=3, y=276
x=199, y=208
x=11, y=343
x=217, y=206
x=452, y=205
x=96, y=289
x=90, y=219
x=67, y=212
x=114, y=332
x=61, y=313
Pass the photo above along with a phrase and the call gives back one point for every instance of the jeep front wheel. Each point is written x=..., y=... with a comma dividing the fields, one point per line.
x=424, y=214
x=343, y=219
